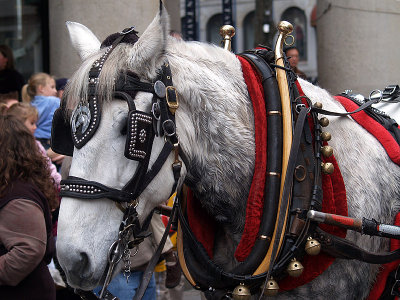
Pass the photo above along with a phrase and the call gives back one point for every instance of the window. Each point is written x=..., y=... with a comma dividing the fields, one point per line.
x=24, y=28
x=248, y=30
x=297, y=17
x=213, y=26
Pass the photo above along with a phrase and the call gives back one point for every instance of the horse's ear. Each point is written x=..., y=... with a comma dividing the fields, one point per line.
x=83, y=40
x=149, y=49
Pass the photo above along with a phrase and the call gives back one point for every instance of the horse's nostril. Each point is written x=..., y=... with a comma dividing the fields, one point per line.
x=83, y=266
x=84, y=259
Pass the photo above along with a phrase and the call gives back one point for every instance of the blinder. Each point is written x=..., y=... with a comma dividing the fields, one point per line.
x=61, y=138
x=86, y=117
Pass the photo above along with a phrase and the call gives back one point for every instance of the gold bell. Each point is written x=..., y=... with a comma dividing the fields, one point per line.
x=271, y=289
x=324, y=121
x=241, y=292
x=327, y=168
x=318, y=105
x=326, y=136
x=295, y=268
x=313, y=247
x=327, y=151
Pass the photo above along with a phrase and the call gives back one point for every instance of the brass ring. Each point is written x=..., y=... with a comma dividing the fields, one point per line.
x=300, y=168
x=274, y=174
x=264, y=237
x=289, y=44
x=274, y=112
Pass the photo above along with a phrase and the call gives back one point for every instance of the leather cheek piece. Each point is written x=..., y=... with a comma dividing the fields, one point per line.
x=139, y=136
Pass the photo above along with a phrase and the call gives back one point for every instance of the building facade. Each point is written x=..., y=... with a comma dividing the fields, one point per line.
x=298, y=12
x=346, y=44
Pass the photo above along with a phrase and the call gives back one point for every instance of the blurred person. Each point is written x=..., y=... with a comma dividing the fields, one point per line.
x=60, y=86
x=41, y=93
x=292, y=54
x=9, y=98
x=28, y=115
x=27, y=196
x=10, y=79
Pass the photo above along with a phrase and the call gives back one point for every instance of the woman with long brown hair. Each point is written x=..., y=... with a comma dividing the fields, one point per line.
x=27, y=196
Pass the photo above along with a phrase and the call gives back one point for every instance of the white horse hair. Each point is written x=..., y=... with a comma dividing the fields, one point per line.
x=215, y=125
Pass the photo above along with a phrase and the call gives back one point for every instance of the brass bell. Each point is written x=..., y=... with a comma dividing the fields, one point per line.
x=327, y=151
x=327, y=168
x=271, y=289
x=324, y=121
x=241, y=292
x=318, y=105
x=326, y=136
x=313, y=247
x=295, y=268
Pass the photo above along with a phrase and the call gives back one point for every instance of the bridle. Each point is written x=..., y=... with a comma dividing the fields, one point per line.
x=141, y=129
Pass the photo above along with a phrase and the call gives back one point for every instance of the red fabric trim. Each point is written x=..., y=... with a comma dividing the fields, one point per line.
x=202, y=225
x=393, y=151
x=373, y=127
x=255, y=200
x=380, y=281
x=334, y=201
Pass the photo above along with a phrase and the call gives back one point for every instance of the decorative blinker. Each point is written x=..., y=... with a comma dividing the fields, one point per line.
x=86, y=117
x=140, y=131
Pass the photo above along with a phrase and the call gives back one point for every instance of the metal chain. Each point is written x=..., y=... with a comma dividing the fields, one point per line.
x=127, y=263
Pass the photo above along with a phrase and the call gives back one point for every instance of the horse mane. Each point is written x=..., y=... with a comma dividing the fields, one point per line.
x=218, y=119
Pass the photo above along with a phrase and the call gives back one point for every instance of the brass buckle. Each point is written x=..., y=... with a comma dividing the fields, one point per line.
x=173, y=106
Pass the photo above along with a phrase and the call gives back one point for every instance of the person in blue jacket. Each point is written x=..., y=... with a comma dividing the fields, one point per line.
x=41, y=93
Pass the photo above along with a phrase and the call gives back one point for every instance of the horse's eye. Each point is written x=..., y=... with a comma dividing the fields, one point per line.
x=124, y=128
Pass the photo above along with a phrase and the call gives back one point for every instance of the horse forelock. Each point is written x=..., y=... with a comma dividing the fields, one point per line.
x=117, y=62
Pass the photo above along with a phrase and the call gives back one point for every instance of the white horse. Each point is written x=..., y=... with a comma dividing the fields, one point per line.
x=215, y=125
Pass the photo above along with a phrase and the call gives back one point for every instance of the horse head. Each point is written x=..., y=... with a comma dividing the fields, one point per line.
x=109, y=128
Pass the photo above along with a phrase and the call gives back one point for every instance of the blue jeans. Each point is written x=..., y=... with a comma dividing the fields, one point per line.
x=125, y=291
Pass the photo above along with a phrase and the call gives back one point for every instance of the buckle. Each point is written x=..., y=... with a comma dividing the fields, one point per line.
x=169, y=127
x=173, y=104
x=390, y=90
x=127, y=30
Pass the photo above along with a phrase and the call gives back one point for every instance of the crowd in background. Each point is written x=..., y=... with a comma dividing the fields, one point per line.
x=29, y=201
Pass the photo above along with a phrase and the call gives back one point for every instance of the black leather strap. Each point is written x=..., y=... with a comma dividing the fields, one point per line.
x=76, y=187
x=148, y=273
x=346, y=249
x=274, y=162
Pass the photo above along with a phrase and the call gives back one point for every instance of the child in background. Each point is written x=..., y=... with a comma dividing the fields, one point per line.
x=28, y=115
x=41, y=93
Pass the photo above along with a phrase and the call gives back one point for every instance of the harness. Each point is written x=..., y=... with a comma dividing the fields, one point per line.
x=302, y=197
x=285, y=237
x=141, y=129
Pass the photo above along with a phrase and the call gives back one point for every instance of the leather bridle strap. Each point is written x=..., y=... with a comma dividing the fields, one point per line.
x=155, y=168
x=148, y=273
x=76, y=187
